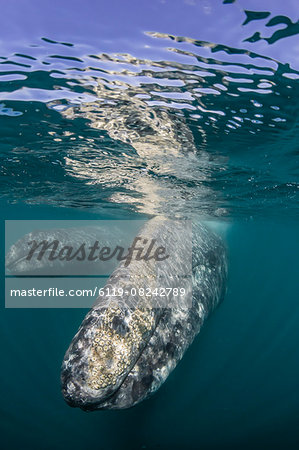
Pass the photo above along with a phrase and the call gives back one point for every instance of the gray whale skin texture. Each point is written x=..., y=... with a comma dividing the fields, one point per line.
x=126, y=347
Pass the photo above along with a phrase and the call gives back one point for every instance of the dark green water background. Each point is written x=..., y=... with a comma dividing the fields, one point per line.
x=237, y=386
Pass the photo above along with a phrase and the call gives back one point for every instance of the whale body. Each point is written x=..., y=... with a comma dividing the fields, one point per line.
x=127, y=346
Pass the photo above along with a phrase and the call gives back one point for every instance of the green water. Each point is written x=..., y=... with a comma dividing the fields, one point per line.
x=235, y=387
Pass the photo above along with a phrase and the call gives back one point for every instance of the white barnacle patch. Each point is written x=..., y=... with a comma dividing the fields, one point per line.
x=112, y=353
x=201, y=310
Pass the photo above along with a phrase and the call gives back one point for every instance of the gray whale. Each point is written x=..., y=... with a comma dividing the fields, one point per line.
x=125, y=349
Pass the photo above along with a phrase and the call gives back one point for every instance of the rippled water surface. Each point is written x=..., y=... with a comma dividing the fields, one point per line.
x=186, y=108
x=154, y=122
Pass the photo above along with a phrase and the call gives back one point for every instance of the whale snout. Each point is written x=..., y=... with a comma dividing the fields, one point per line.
x=97, y=363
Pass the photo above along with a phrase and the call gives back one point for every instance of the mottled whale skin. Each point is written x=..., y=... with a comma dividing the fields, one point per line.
x=126, y=347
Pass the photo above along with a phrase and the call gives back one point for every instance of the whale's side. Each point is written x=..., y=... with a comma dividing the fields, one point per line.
x=126, y=347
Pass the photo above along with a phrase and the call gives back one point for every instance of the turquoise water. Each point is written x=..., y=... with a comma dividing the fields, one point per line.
x=189, y=109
